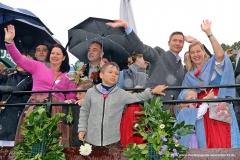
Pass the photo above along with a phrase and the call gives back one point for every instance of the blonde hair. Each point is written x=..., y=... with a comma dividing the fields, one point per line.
x=193, y=90
x=133, y=58
x=190, y=65
x=85, y=84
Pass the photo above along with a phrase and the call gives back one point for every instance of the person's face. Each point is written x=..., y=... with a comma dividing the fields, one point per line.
x=80, y=95
x=56, y=56
x=176, y=43
x=191, y=95
x=41, y=53
x=186, y=57
x=197, y=55
x=110, y=76
x=141, y=62
x=94, y=52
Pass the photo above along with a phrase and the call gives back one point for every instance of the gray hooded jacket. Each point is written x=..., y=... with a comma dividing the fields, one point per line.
x=100, y=117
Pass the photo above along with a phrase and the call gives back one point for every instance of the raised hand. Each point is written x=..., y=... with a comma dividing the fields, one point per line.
x=206, y=26
x=118, y=23
x=189, y=39
x=9, y=33
x=229, y=52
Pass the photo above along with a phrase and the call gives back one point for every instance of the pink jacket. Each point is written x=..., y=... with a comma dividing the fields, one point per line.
x=43, y=77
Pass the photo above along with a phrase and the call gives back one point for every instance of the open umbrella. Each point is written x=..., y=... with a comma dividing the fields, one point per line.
x=28, y=36
x=8, y=13
x=115, y=46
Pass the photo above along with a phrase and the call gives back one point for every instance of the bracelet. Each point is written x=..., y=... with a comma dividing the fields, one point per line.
x=7, y=42
x=210, y=35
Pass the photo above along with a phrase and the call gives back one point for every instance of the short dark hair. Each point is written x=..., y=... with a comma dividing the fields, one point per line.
x=175, y=33
x=42, y=45
x=109, y=64
x=100, y=44
x=65, y=67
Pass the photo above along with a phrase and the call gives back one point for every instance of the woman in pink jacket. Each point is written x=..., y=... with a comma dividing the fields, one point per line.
x=44, y=78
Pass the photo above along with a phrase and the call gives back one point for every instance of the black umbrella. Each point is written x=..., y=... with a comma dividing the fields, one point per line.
x=8, y=13
x=115, y=46
x=28, y=36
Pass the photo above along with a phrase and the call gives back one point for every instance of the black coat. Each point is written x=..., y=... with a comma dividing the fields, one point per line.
x=20, y=81
x=75, y=111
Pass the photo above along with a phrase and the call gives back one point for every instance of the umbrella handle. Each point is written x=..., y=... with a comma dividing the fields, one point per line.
x=70, y=39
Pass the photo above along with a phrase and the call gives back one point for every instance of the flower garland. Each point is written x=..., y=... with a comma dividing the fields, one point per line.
x=158, y=128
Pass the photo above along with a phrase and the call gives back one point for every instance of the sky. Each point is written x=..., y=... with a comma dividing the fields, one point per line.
x=155, y=19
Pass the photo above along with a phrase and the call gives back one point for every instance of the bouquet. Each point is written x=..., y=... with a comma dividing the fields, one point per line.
x=78, y=74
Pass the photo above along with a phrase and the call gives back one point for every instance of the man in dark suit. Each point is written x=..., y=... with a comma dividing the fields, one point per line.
x=166, y=66
x=96, y=61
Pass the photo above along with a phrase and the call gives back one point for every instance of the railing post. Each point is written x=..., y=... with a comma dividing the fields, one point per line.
x=49, y=104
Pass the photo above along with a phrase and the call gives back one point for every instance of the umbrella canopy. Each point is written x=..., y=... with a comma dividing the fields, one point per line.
x=28, y=36
x=115, y=46
x=8, y=13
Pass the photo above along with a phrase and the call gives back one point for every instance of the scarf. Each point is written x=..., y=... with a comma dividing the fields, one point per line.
x=206, y=75
x=140, y=75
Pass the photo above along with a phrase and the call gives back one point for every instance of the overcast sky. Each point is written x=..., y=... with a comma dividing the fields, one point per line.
x=155, y=19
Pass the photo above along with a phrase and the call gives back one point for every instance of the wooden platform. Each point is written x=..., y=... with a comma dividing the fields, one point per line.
x=106, y=154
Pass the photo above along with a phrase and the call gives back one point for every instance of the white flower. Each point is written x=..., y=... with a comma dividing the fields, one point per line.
x=136, y=125
x=162, y=126
x=85, y=149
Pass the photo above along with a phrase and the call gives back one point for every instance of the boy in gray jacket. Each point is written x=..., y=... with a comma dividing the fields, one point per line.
x=102, y=108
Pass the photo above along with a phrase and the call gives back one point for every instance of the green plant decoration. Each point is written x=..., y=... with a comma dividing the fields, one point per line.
x=41, y=137
x=161, y=132
x=69, y=116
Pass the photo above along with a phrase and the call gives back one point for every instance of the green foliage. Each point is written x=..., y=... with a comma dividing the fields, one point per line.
x=157, y=127
x=235, y=46
x=40, y=130
x=69, y=116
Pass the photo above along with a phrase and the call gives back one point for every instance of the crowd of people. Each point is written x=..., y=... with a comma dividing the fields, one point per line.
x=105, y=113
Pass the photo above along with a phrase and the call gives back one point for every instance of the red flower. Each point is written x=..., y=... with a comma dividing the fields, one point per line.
x=197, y=73
x=94, y=76
x=105, y=96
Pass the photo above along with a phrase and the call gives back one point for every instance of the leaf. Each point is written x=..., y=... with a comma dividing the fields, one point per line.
x=141, y=146
x=126, y=154
x=172, y=120
x=144, y=151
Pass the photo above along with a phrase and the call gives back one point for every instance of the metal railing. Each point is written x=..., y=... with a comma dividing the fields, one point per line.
x=49, y=102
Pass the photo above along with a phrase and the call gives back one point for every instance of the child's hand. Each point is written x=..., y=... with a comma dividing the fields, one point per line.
x=68, y=101
x=158, y=90
x=210, y=95
x=79, y=102
x=81, y=135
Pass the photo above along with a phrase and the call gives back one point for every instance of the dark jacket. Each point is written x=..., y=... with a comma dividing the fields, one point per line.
x=164, y=68
x=19, y=81
x=75, y=111
x=86, y=72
